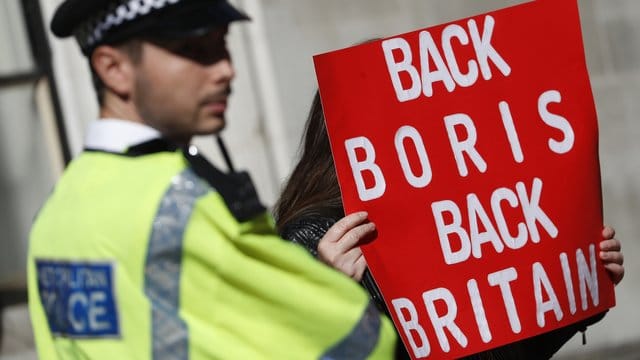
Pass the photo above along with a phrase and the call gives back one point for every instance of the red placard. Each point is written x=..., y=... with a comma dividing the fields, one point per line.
x=473, y=145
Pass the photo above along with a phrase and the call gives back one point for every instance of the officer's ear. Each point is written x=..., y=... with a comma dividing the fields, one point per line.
x=116, y=68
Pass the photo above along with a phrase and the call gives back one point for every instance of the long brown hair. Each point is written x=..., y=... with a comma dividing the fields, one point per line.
x=312, y=188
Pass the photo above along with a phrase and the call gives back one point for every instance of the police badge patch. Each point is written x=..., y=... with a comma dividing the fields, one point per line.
x=78, y=298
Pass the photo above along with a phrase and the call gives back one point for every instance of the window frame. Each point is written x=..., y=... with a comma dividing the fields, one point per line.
x=43, y=69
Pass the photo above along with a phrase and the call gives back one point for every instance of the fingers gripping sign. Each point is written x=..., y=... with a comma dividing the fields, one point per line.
x=340, y=246
x=611, y=254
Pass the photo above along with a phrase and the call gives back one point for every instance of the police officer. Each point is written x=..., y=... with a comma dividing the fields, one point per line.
x=144, y=249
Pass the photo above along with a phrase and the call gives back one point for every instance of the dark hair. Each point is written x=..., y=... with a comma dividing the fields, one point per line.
x=312, y=188
x=133, y=48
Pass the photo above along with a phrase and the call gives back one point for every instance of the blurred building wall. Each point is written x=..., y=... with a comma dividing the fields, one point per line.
x=612, y=40
x=26, y=169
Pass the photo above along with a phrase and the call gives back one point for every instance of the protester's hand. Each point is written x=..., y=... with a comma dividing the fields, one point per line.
x=339, y=247
x=611, y=254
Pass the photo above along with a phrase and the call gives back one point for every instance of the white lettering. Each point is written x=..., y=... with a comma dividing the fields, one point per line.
x=409, y=132
x=429, y=50
x=445, y=321
x=449, y=73
x=556, y=121
x=368, y=164
x=512, y=134
x=484, y=49
x=460, y=147
x=568, y=283
x=478, y=311
x=97, y=310
x=587, y=279
x=532, y=211
x=476, y=212
x=502, y=278
x=404, y=66
x=457, y=31
x=410, y=326
x=498, y=196
x=438, y=208
x=540, y=280
x=77, y=299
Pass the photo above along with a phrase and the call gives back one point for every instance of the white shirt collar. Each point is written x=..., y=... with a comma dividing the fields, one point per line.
x=114, y=135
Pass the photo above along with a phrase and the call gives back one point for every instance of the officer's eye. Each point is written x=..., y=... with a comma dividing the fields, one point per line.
x=203, y=50
x=188, y=50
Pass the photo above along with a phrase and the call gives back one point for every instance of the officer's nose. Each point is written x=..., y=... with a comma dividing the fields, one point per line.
x=222, y=71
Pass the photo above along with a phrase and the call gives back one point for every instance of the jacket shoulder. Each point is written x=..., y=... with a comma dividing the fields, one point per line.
x=307, y=231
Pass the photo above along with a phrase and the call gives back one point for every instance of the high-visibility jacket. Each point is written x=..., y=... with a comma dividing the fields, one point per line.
x=137, y=256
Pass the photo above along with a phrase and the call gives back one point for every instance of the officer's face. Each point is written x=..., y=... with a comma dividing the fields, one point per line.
x=182, y=86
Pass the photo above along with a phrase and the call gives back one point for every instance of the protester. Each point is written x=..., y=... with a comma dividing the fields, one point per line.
x=310, y=206
x=144, y=249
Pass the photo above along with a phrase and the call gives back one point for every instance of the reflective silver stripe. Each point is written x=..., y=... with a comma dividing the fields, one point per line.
x=164, y=260
x=361, y=341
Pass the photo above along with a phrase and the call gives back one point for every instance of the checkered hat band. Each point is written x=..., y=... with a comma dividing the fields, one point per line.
x=95, y=29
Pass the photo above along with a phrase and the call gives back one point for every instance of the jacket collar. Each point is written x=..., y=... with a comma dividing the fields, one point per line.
x=133, y=139
x=116, y=135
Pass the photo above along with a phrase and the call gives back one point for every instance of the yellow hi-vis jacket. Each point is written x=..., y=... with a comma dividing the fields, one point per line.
x=135, y=256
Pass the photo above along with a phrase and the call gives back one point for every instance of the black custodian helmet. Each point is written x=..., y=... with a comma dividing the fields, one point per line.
x=97, y=22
